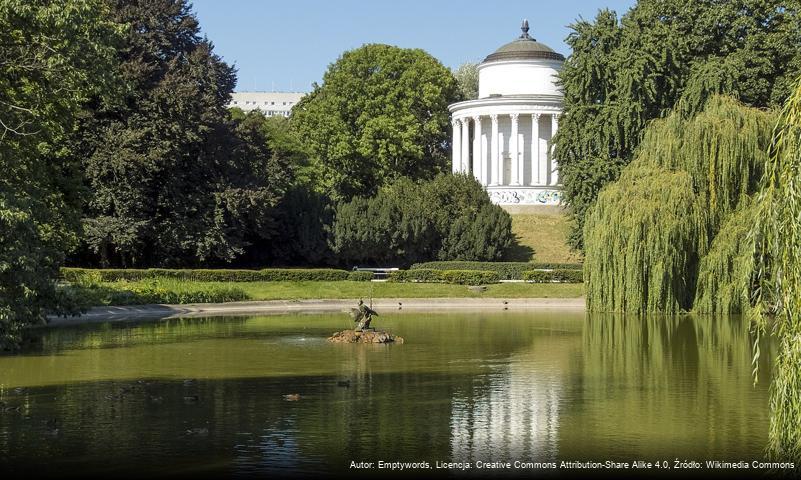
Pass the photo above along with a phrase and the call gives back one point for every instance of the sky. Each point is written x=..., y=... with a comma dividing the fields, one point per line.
x=288, y=44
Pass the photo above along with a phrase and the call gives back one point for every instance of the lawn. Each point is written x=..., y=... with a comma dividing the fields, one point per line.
x=540, y=237
x=190, y=291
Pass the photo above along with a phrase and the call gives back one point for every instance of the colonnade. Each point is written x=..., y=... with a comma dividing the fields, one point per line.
x=543, y=169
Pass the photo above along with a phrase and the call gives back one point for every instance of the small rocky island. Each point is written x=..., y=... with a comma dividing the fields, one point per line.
x=363, y=333
x=366, y=336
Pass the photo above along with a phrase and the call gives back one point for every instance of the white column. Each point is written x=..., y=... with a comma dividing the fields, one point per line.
x=554, y=163
x=464, y=145
x=495, y=160
x=456, y=146
x=478, y=160
x=516, y=176
x=536, y=169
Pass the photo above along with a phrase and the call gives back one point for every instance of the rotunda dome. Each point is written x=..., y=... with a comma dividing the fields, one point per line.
x=523, y=66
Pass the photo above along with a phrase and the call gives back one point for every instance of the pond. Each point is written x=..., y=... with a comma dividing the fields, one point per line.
x=268, y=395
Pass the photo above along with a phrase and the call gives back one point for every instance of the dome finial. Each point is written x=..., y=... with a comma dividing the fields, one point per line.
x=524, y=27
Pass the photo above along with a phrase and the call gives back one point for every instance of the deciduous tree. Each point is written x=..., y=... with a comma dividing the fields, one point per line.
x=381, y=113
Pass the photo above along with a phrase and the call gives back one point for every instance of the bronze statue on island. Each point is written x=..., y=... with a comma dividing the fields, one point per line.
x=362, y=316
x=362, y=332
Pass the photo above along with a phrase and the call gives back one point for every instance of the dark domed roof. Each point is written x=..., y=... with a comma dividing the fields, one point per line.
x=524, y=48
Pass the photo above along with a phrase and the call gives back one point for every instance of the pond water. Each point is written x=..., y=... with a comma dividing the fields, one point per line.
x=198, y=396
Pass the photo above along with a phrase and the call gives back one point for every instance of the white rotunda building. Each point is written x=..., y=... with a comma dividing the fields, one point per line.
x=503, y=137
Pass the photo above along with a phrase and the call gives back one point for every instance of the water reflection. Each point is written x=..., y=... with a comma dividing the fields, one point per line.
x=208, y=395
x=514, y=412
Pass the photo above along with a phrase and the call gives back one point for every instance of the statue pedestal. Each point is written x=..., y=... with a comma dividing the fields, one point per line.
x=367, y=336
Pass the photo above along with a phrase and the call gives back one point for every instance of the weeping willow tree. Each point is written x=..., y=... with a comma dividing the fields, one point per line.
x=777, y=239
x=647, y=235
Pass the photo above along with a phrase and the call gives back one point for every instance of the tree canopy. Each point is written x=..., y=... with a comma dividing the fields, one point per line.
x=625, y=72
x=174, y=178
x=650, y=232
x=467, y=80
x=54, y=56
x=447, y=218
x=381, y=113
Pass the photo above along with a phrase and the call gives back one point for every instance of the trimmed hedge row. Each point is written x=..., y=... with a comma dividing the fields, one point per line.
x=505, y=270
x=79, y=275
x=360, y=276
x=554, y=276
x=150, y=292
x=459, y=277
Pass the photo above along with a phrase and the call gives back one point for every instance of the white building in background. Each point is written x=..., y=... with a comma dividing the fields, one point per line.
x=503, y=137
x=272, y=104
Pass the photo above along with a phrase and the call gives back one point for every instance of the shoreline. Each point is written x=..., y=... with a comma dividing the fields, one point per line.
x=164, y=312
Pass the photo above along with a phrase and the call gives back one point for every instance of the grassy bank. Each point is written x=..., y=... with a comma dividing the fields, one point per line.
x=174, y=291
x=541, y=237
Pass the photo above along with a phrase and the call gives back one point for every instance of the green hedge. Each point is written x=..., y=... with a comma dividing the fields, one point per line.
x=83, y=275
x=551, y=276
x=360, y=276
x=505, y=270
x=470, y=277
x=460, y=277
x=148, y=292
x=420, y=275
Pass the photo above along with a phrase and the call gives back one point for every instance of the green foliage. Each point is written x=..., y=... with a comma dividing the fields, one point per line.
x=54, y=56
x=505, y=270
x=86, y=275
x=724, y=275
x=380, y=114
x=469, y=277
x=623, y=73
x=467, y=80
x=458, y=277
x=553, y=276
x=777, y=238
x=648, y=231
x=152, y=291
x=175, y=178
x=424, y=275
x=486, y=236
x=304, y=219
x=360, y=276
x=449, y=217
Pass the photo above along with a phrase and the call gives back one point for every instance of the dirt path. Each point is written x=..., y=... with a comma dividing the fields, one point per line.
x=157, y=312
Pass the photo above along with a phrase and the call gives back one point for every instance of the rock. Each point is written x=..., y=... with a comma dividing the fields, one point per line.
x=369, y=336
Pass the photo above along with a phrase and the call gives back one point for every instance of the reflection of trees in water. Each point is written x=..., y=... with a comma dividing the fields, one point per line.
x=398, y=404
x=671, y=385
x=514, y=412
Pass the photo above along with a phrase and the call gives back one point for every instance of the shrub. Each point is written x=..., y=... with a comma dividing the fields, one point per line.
x=505, y=270
x=149, y=292
x=469, y=277
x=554, y=276
x=482, y=236
x=419, y=275
x=448, y=217
x=460, y=277
x=83, y=275
x=360, y=276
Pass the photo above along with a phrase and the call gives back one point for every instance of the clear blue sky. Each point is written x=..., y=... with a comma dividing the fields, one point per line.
x=288, y=44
